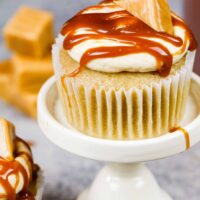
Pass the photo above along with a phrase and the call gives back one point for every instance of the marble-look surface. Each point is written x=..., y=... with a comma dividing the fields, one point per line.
x=67, y=174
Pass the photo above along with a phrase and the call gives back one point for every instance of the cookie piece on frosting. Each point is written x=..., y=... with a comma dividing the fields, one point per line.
x=155, y=13
x=7, y=137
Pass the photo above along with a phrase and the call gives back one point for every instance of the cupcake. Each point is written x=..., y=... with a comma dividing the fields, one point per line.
x=20, y=178
x=122, y=75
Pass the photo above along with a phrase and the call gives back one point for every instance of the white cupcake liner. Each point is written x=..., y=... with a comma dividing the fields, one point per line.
x=125, y=114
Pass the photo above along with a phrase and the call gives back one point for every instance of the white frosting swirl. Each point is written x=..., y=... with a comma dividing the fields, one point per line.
x=135, y=62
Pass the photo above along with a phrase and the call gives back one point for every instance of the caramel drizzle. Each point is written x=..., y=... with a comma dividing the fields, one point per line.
x=8, y=168
x=123, y=27
x=186, y=135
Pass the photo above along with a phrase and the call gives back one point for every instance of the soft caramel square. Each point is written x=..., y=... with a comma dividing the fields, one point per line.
x=25, y=101
x=6, y=78
x=30, y=73
x=30, y=32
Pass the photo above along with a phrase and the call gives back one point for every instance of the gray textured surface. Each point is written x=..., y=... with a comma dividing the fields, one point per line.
x=67, y=174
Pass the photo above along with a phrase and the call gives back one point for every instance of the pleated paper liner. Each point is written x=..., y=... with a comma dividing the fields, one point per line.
x=125, y=114
x=132, y=114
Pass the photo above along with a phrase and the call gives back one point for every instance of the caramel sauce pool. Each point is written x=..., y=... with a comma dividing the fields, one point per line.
x=186, y=135
x=123, y=27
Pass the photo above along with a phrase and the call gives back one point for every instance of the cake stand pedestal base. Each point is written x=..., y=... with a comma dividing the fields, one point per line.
x=124, y=182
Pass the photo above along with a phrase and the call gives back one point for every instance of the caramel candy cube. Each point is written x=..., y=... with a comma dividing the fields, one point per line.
x=31, y=73
x=7, y=137
x=5, y=78
x=5, y=68
x=30, y=32
x=26, y=102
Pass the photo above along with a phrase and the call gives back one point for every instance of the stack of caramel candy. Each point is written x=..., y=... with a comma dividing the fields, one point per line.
x=29, y=35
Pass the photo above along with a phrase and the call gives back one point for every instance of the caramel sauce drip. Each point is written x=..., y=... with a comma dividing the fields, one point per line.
x=186, y=135
x=8, y=168
x=123, y=27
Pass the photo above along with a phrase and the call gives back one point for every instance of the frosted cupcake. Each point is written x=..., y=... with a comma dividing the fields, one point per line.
x=20, y=178
x=120, y=78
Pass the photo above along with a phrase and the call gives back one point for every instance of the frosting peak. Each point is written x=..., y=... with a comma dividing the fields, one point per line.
x=109, y=39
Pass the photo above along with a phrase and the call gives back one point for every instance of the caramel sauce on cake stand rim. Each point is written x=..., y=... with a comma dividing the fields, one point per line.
x=186, y=136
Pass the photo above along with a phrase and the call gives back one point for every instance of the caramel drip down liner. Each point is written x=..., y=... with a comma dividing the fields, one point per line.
x=126, y=114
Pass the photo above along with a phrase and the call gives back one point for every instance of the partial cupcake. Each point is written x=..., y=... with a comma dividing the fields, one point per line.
x=118, y=76
x=20, y=178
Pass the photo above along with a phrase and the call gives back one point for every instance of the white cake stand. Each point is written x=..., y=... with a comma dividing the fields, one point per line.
x=125, y=178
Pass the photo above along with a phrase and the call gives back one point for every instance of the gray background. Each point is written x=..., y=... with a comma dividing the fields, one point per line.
x=67, y=174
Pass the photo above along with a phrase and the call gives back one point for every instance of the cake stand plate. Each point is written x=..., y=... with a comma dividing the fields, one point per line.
x=125, y=177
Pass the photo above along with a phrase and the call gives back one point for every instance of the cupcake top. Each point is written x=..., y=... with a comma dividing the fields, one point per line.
x=108, y=38
x=16, y=164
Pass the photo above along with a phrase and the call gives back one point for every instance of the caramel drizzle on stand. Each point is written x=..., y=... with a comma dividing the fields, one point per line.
x=123, y=27
x=8, y=168
x=186, y=135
